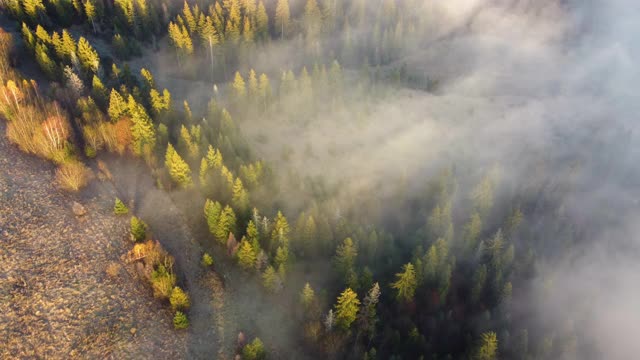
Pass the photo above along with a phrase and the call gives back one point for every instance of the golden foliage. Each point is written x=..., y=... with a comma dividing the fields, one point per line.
x=73, y=176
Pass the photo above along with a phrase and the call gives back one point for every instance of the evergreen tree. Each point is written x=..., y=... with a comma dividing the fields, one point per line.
x=138, y=229
x=347, y=308
x=312, y=19
x=178, y=169
x=367, y=318
x=240, y=198
x=280, y=232
x=345, y=258
x=248, y=34
x=270, y=279
x=179, y=300
x=239, y=88
x=212, y=212
x=262, y=21
x=226, y=224
x=254, y=91
x=307, y=296
x=98, y=91
x=282, y=17
x=120, y=208
x=246, y=255
x=117, y=106
x=88, y=56
x=264, y=89
x=488, y=348
x=34, y=9
x=406, y=283
x=254, y=351
x=142, y=131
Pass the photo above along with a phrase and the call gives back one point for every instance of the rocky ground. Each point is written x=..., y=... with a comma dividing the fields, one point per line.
x=64, y=291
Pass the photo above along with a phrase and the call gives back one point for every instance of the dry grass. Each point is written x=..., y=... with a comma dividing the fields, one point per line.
x=73, y=176
x=113, y=269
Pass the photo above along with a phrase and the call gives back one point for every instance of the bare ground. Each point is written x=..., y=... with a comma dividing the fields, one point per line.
x=56, y=298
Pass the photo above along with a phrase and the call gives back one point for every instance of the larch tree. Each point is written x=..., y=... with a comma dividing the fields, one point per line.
x=307, y=296
x=240, y=197
x=488, y=349
x=142, y=131
x=246, y=255
x=345, y=258
x=282, y=17
x=88, y=56
x=264, y=89
x=226, y=224
x=406, y=283
x=239, y=87
x=280, y=232
x=212, y=210
x=254, y=91
x=347, y=308
x=367, y=317
x=262, y=21
x=117, y=106
x=178, y=168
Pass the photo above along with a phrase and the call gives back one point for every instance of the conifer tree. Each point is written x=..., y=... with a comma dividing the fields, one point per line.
x=488, y=347
x=248, y=34
x=262, y=21
x=282, y=17
x=88, y=56
x=98, y=91
x=45, y=62
x=406, y=283
x=178, y=169
x=280, y=232
x=179, y=300
x=226, y=224
x=120, y=208
x=312, y=19
x=347, y=308
x=270, y=279
x=117, y=106
x=142, y=131
x=345, y=258
x=240, y=198
x=264, y=88
x=246, y=255
x=212, y=210
x=138, y=229
x=307, y=296
x=239, y=88
x=34, y=9
x=254, y=91
x=367, y=318
x=92, y=13
x=28, y=37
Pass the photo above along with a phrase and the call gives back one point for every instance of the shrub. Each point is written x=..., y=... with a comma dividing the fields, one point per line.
x=120, y=208
x=254, y=350
x=179, y=299
x=207, y=260
x=138, y=229
x=163, y=282
x=90, y=151
x=180, y=320
x=72, y=176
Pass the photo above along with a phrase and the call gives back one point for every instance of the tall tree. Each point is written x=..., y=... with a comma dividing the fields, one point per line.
x=282, y=17
x=246, y=255
x=347, y=308
x=178, y=168
x=88, y=56
x=406, y=283
x=488, y=347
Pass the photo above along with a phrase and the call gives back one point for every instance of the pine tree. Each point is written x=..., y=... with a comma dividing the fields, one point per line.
x=178, y=169
x=367, y=318
x=142, y=131
x=254, y=91
x=98, y=91
x=138, y=229
x=28, y=37
x=45, y=62
x=282, y=17
x=226, y=224
x=262, y=21
x=264, y=89
x=247, y=31
x=179, y=300
x=307, y=296
x=88, y=56
x=212, y=212
x=347, y=308
x=91, y=12
x=120, y=208
x=345, y=258
x=246, y=255
x=34, y=9
x=488, y=348
x=270, y=279
x=239, y=88
x=117, y=106
x=254, y=351
x=240, y=198
x=406, y=283
x=282, y=255
x=280, y=232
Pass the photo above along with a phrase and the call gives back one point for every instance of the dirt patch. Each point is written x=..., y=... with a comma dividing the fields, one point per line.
x=64, y=292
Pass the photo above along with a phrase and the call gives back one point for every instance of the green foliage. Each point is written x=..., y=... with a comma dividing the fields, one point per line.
x=180, y=321
x=271, y=280
x=347, y=308
x=240, y=197
x=246, y=256
x=280, y=232
x=138, y=229
x=254, y=350
x=163, y=281
x=178, y=168
x=307, y=296
x=282, y=17
x=345, y=258
x=88, y=56
x=207, y=260
x=488, y=348
x=142, y=131
x=120, y=208
x=179, y=300
x=117, y=106
x=406, y=283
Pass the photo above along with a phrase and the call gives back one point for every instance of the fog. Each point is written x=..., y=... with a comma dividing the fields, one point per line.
x=547, y=90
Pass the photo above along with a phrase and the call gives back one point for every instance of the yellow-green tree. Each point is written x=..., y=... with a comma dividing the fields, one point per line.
x=88, y=56
x=406, y=283
x=178, y=169
x=246, y=255
x=282, y=17
x=488, y=349
x=347, y=308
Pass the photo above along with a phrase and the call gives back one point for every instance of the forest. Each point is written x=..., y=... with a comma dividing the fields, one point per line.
x=382, y=179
